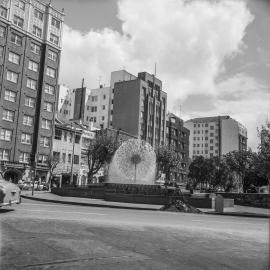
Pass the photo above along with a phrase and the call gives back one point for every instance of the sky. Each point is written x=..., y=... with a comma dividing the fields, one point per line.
x=213, y=56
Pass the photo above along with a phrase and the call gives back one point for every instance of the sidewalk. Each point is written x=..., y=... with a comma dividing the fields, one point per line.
x=46, y=196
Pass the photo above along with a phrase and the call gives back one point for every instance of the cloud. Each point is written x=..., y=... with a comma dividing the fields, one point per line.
x=189, y=41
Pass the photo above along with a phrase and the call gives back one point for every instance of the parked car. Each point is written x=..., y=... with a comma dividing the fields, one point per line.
x=9, y=193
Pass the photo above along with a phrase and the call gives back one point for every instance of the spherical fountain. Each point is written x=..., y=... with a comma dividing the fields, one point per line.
x=133, y=163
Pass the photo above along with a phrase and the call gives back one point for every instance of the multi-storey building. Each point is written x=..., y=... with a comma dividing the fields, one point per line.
x=177, y=137
x=65, y=104
x=93, y=106
x=97, y=107
x=139, y=108
x=70, y=146
x=215, y=136
x=30, y=45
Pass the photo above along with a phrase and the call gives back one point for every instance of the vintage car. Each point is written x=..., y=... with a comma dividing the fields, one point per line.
x=9, y=193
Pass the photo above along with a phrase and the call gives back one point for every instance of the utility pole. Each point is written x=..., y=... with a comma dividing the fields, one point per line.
x=72, y=156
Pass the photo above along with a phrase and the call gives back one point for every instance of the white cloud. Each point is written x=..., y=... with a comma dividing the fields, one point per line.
x=189, y=41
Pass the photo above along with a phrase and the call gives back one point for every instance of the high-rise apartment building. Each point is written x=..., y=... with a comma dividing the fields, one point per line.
x=215, y=136
x=97, y=107
x=30, y=46
x=139, y=108
x=177, y=138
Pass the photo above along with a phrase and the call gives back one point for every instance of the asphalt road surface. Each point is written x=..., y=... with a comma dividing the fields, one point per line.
x=39, y=235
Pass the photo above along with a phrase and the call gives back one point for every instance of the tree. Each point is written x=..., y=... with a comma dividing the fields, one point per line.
x=167, y=160
x=263, y=161
x=52, y=162
x=201, y=171
x=100, y=151
x=240, y=162
x=222, y=176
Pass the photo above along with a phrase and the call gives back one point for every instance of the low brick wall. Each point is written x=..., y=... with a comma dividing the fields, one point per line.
x=249, y=199
x=94, y=193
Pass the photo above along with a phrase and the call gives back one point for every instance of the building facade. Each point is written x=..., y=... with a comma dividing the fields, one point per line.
x=70, y=146
x=97, y=107
x=215, y=136
x=65, y=104
x=139, y=108
x=30, y=46
x=177, y=138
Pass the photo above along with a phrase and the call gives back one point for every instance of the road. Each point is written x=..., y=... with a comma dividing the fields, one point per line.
x=39, y=235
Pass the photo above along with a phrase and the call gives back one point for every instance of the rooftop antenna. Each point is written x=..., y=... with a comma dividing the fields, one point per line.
x=180, y=115
x=99, y=81
x=155, y=69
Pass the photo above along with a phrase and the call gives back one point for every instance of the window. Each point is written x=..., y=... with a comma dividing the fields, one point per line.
x=35, y=48
x=103, y=118
x=104, y=96
x=206, y=131
x=48, y=106
x=69, y=158
x=10, y=95
x=29, y=102
x=44, y=141
x=65, y=136
x=206, y=145
x=194, y=125
x=58, y=134
x=103, y=107
x=33, y=66
x=64, y=157
x=54, y=39
x=1, y=51
x=211, y=147
x=211, y=134
x=3, y=12
x=37, y=31
x=28, y=120
x=5, y=134
x=52, y=55
x=211, y=141
x=32, y=84
x=211, y=127
x=194, y=145
x=46, y=124
x=16, y=39
x=55, y=23
x=194, y=132
x=94, y=109
x=2, y=31
x=26, y=138
x=56, y=155
x=8, y=115
x=76, y=159
x=50, y=72
x=77, y=139
x=20, y=5
x=24, y=157
x=206, y=138
x=206, y=125
x=42, y=159
x=14, y=58
x=12, y=76
x=94, y=98
x=4, y=154
x=38, y=14
x=49, y=89
x=18, y=21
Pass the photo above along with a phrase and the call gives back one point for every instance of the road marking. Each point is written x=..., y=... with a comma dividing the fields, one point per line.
x=64, y=212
